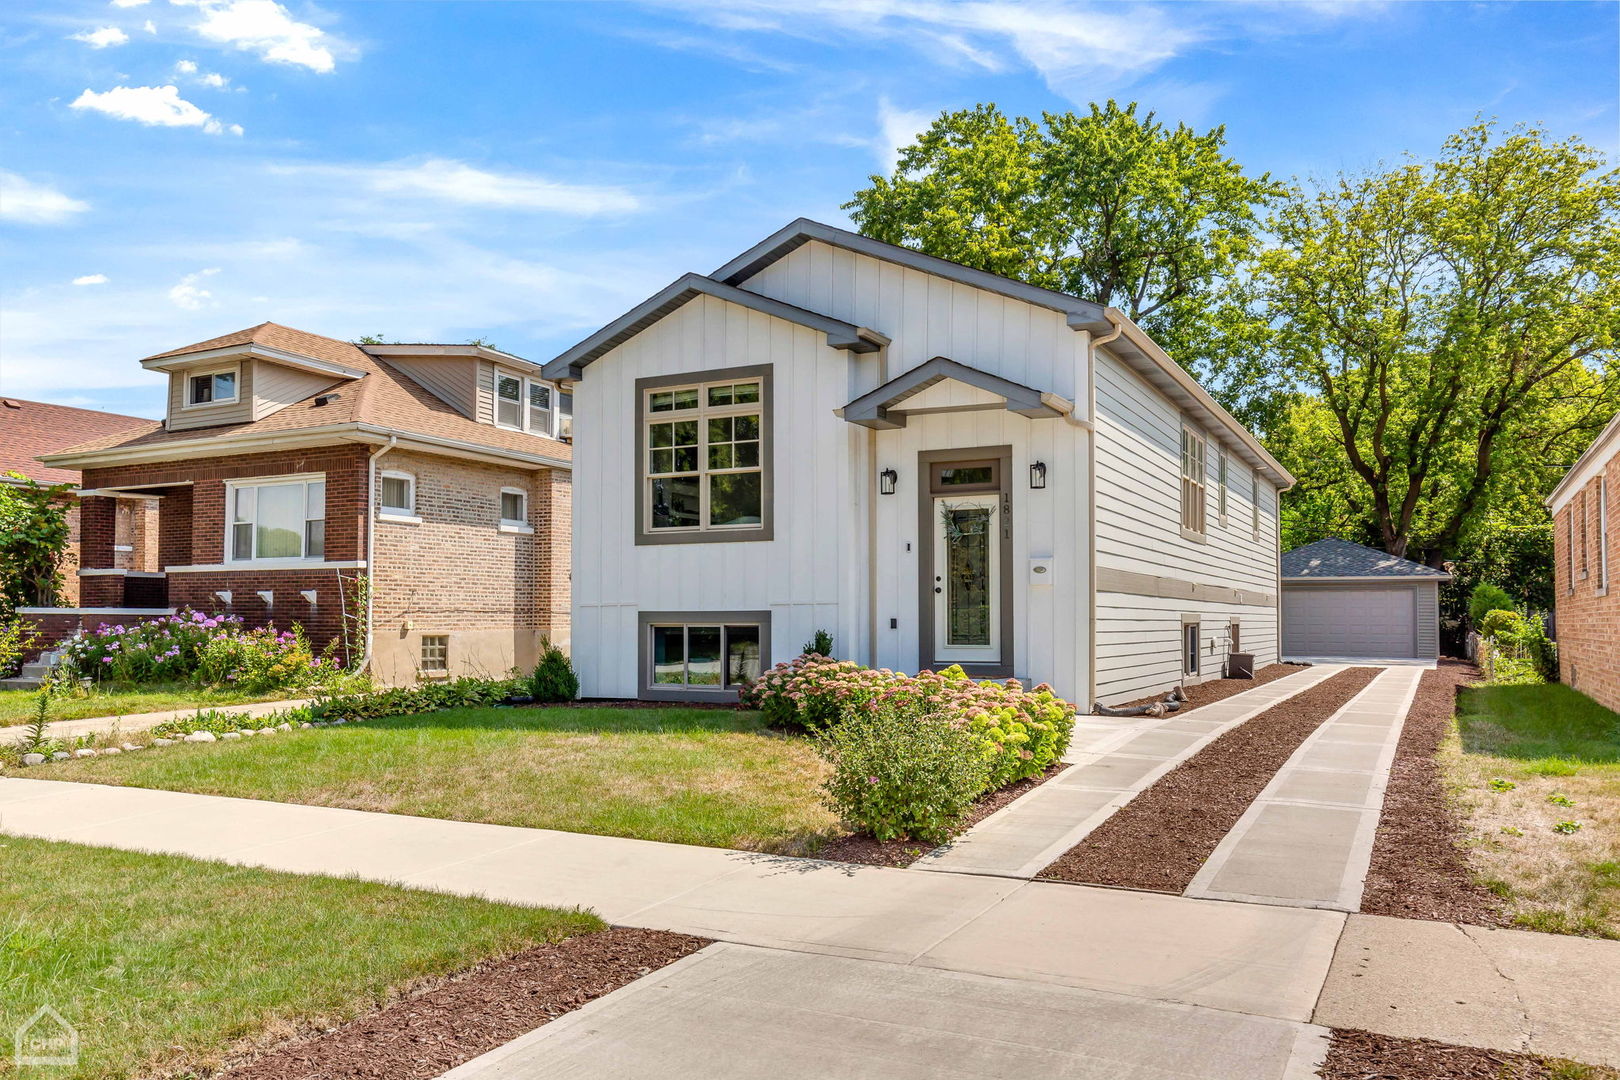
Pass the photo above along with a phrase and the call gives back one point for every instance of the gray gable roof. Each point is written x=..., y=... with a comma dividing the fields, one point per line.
x=1340, y=560
x=840, y=334
x=872, y=409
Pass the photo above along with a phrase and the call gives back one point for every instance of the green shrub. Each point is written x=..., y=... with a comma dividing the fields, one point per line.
x=407, y=701
x=16, y=638
x=820, y=644
x=219, y=721
x=899, y=773
x=1485, y=599
x=1508, y=670
x=553, y=678
x=1503, y=627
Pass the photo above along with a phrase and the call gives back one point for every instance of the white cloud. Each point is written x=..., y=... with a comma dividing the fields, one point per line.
x=155, y=106
x=149, y=26
x=24, y=201
x=100, y=39
x=897, y=128
x=214, y=79
x=186, y=67
x=91, y=279
x=266, y=28
x=457, y=182
x=206, y=78
x=187, y=294
x=128, y=3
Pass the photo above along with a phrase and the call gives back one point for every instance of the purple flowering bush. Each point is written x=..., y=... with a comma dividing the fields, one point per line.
x=885, y=733
x=195, y=647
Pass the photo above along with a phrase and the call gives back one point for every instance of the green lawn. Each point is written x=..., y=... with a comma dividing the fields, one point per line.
x=17, y=706
x=1553, y=745
x=687, y=776
x=166, y=965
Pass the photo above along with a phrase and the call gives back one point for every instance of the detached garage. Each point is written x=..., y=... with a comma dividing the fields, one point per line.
x=1345, y=601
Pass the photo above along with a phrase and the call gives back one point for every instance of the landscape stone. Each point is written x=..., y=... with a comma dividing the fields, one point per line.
x=33, y=759
x=109, y=751
x=230, y=734
x=164, y=742
x=84, y=751
x=61, y=755
x=202, y=736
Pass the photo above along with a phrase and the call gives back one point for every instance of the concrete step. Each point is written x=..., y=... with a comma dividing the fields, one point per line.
x=20, y=683
x=36, y=671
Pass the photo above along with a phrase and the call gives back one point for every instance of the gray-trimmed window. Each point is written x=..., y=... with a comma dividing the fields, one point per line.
x=1194, y=482
x=701, y=654
x=703, y=454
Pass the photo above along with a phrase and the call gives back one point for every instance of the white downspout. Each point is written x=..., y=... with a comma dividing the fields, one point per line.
x=1091, y=493
x=371, y=543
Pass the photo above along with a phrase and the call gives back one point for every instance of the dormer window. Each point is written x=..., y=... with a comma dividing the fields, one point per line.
x=211, y=388
x=524, y=404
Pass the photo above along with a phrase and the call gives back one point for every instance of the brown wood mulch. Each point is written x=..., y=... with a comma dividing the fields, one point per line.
x=487, y=1006
x=1419, y=868
x=1159, y=839
x=1361, y=1055
x=855, y=848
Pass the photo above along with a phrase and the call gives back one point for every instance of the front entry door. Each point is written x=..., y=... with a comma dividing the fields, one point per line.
x=967, y=579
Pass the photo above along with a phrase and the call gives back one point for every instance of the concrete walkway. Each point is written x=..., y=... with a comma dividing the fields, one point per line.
x=793, y=1016
x=1307, y=839
x=1111, y=762
x=68, y=729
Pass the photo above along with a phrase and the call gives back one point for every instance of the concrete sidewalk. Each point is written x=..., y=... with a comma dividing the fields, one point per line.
x=1111, y=762
x=1242, y=958
x=795, y=1016
x=1307, y=839
x=135, y=722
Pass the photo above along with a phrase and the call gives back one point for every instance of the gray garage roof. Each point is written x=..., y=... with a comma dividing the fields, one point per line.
x=1340, y=560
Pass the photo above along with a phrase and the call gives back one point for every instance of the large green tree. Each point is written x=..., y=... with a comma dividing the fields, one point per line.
x=1453, y=327
x=1110, y=205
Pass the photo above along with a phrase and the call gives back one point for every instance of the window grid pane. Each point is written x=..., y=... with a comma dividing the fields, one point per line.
x=435, y=652
x=706, y=472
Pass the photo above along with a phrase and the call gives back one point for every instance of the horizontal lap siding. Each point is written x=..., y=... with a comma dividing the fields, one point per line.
x=1139, y=530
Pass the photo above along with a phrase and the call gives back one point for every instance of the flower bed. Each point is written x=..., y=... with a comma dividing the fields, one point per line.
x=911, y=753
x=207, y=650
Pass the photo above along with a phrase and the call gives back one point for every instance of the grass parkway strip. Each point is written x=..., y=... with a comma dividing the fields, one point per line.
x=1161, y=838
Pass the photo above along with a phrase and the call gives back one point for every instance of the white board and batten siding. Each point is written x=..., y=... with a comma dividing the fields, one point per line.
x=1232, y=573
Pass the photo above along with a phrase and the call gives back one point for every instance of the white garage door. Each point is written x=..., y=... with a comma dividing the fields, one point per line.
x=1370, y=622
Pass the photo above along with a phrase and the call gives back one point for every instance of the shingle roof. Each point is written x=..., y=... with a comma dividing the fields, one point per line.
x=31, y=428
x=383, y=396
x=1333, y=558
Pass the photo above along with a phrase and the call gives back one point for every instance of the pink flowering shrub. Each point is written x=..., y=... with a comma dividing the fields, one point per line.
x=1019, y=732
x=195, y=647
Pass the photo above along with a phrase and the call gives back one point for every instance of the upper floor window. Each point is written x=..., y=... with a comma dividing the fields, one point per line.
x=211, y=387
x=1603, y=532
x=1254, y=502
x=524, y=404
x=704, y=453
x=565, y=416
x=514, y=510
x=281, y=517
x=1580, y=502
x=1220, y=470
x=1194, y=481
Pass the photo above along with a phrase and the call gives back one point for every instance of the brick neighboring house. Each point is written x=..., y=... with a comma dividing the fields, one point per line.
x=1586, y=564
x=291, y=467
x=31, y=428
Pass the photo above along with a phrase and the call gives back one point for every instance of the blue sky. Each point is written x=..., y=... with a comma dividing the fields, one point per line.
x=176, y=169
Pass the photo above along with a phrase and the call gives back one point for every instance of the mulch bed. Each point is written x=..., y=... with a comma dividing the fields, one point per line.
x=1160, y=839
x=485, y=1007
x=1361, y=1055
x=1419, y=868
x=863, y=849
x=1208, y=693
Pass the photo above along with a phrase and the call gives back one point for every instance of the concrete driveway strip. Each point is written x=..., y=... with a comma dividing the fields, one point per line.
x=1307, y=839
x=1500, y=989
x=1117, y=763
x=795, y=1016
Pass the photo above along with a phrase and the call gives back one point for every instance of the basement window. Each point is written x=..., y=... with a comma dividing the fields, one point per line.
x=435, y=654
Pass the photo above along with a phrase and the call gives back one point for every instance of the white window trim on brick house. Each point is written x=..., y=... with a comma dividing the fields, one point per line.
x=514, y=525
x=1603, y=535
x=233, y=370
x=406, y=514
x=256, y=482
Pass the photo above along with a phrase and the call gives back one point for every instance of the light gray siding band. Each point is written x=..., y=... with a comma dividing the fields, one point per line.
x=1134, y=584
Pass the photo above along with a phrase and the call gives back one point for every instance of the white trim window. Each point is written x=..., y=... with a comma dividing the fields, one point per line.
x=1254, y=502
x=1220, y=471
x=396, y=493
x=1194, y=481
x=705, y=457
x=524, y=404
x=216, y=387
x=515, y=510
x=1584, y=532
x=275, y=518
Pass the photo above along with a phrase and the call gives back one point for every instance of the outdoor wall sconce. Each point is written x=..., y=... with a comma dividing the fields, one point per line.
x=1037, y=475
x=886, y=481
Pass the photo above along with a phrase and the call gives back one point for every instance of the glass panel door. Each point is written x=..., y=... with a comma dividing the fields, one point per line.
x=967, y=585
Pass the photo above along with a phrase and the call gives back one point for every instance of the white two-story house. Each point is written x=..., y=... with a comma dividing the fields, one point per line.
x=933, y=463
